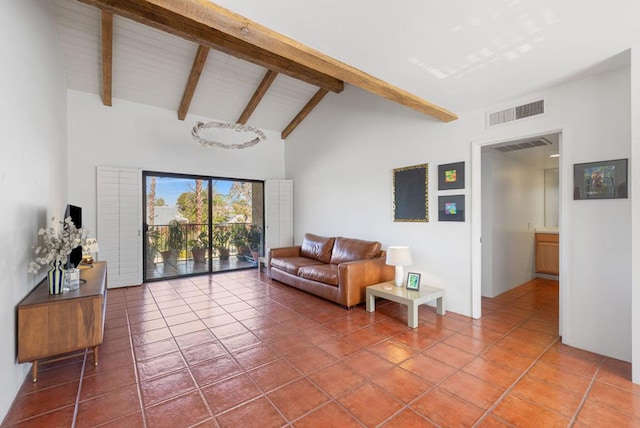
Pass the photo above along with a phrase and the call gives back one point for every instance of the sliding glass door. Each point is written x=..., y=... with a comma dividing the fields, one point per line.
x=195, y=224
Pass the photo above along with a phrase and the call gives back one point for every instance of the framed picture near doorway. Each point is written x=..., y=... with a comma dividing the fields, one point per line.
x=600, y=180
x=451, y=208
x=451, y=176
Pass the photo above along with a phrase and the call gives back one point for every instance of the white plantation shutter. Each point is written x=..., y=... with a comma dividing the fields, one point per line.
x=119, y=209
x=278, y=200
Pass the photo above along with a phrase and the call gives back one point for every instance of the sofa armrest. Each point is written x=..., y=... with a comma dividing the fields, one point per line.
x=354, y=277
x=293, y=251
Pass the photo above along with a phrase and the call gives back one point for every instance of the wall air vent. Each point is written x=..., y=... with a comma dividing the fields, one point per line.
x=524, y=145
x=515, y=113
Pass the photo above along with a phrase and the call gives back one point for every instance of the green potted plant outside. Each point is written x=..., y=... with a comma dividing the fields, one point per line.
x=221, y=238
x=199, y=247
x=153, y=244
x=239, y=240
x=254, y=239
x=175, y=243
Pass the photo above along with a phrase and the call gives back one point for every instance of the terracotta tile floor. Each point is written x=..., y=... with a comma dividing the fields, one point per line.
x=232, y=350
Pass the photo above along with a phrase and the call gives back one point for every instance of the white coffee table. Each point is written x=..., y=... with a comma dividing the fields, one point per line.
x=411, y=298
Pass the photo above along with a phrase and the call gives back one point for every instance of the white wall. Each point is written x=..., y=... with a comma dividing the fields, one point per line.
x=635, y=209
x=341, y=160
x=551, y=198
x=595, y=242
x=134, y=135
x=342, y=156
x=33, y=164
x=512, y=208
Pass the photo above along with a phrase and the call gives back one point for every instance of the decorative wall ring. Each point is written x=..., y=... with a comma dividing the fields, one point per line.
x=195, y=132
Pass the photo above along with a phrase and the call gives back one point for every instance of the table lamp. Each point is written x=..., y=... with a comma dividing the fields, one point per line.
x=399, y=257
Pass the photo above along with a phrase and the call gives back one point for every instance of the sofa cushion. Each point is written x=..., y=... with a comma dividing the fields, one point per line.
x=327, y=274
x=292, y=264
x=348, y=249
x=317, y=247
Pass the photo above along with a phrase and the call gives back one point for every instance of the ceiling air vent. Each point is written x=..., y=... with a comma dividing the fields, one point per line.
x=524, y=145
x=515, y=113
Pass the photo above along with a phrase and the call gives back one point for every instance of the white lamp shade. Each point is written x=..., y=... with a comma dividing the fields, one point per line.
x=398, y=256
x=91, y=246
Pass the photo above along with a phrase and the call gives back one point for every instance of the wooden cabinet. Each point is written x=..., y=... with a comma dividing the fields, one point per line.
x=548, y=253
x=50, y=325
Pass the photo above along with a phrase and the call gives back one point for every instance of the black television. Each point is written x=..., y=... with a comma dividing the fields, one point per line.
x=75, y=212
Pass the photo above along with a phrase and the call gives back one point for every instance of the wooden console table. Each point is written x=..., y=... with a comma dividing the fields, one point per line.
x=50, y=325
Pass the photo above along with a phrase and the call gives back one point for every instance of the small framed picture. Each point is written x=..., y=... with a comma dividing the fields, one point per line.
x=600, y=180
x=451, y=208
x=413, y=281
x=451, y=176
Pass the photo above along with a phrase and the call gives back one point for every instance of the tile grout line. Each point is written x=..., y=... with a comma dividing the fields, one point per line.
x=135, y=363
x=522, y=375
x=586, y=393
x=80, y=382
x=198, y=387
x=461, y=369
x=243, y=372
x=303, y=376
x=407, y=406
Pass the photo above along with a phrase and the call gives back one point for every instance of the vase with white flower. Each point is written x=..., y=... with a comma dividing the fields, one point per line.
x=56, y=245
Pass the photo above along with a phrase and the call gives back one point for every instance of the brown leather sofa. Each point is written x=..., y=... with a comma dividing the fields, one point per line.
x=336, y=268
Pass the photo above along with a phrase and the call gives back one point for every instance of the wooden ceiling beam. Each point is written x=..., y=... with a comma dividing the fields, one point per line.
x=194, y=78
x=313, y=102
x=161, y=17
x=262, y=39
x=260, y=92
x=107, y=57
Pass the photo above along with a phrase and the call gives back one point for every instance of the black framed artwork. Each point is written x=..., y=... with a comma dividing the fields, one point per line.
x=451, y=208
x=600, y=180
x=410, y=194
x=451, y=176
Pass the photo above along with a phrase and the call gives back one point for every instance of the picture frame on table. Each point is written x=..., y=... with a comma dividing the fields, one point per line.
x=413, y=281
x=600, y=180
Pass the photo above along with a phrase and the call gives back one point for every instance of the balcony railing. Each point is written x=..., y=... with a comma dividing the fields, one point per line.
x=185, y=248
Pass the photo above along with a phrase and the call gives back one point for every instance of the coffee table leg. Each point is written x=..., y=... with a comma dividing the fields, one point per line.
x=371, y=302
x=440, y=309
x=412, y=315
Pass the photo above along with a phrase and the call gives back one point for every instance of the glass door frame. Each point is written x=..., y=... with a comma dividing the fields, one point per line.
x=210, y=225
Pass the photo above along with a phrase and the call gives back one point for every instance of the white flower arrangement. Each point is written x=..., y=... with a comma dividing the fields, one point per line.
x=57, y=243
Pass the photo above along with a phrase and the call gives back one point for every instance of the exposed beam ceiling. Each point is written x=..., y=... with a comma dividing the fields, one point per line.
x=313, y=102
x=107, y=56
x=257, y=96
x=164, y=19
x=192, y=83
x=211, y=25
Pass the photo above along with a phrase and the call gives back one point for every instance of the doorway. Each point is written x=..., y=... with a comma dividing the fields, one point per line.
x=499, y=159
x=200, y=225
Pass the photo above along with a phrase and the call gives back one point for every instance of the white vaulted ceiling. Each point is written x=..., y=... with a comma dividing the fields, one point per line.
x=461, y=55
x=152, y=67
